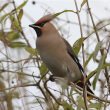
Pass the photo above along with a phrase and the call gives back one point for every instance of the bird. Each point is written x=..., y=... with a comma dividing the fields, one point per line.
x=57, y=54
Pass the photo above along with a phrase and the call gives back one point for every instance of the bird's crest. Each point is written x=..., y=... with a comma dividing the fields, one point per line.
x=45, y=19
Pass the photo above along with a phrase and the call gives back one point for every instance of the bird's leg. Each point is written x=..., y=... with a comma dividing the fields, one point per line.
x=51, y=78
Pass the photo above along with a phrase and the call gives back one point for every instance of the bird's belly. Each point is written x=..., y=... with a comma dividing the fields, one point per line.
x=55, y=65
x=61, y=67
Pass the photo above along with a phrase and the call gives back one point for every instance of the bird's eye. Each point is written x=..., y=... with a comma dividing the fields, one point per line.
x=42, y=24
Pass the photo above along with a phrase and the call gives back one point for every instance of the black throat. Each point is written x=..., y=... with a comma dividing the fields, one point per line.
x=38, y=31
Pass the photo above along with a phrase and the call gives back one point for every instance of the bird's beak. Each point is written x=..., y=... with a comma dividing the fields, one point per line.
x=37, y=29
x=34, y=26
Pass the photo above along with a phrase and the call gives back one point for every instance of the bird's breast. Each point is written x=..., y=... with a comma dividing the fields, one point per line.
x=53, y=60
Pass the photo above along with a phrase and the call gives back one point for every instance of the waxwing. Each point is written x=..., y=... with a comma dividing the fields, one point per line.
x=56, y=52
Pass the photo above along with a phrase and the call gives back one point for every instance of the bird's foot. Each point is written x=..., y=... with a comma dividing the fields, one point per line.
x=51, y=78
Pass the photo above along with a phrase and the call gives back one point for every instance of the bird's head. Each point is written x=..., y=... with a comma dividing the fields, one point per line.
x=41, y=22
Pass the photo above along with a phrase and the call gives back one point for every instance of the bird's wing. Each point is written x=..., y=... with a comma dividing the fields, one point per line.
x=73, y=55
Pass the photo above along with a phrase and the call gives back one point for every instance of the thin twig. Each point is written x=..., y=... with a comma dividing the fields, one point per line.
x=97, y=30
x=81, y=31
x=45, y=85
x=3, y=70
x=98, y=38
x=20, y=23
x=14, y=87
x=100, y=99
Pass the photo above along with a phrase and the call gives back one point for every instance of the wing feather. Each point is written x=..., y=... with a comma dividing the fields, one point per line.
x=73, y=55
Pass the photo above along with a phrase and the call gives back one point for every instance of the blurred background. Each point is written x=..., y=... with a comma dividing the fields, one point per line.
x=23, y=74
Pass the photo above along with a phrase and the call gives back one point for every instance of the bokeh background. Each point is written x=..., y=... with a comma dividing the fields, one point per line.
x=20, y=64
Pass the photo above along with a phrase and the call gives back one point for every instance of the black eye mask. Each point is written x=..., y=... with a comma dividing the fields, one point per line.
x=42, y=24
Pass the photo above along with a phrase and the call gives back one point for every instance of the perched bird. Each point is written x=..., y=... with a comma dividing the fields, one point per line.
x=57, y=53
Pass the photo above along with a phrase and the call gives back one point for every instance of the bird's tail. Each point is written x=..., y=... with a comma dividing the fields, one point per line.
x=81, y=84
